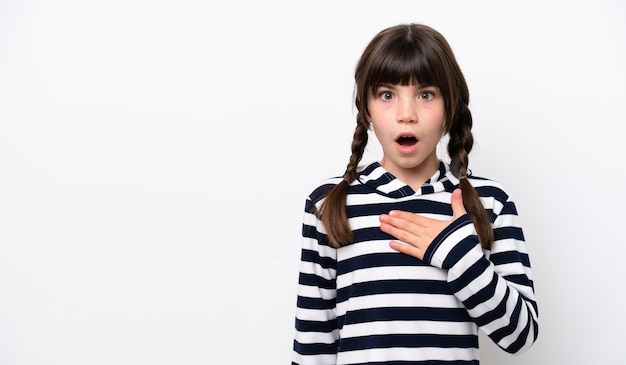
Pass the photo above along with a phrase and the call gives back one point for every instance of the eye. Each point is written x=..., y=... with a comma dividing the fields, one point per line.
x=385, y=95
x=427, y=95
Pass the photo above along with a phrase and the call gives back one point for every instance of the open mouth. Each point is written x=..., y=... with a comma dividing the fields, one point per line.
x=406, y=141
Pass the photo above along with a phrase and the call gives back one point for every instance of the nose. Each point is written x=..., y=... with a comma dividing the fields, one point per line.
x=407, y=111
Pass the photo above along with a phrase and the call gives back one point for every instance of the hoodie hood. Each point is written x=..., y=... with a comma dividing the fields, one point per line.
x=374, y=176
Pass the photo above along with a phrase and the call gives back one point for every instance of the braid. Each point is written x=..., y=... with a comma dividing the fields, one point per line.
x=461, y=140
x=333, y=212
x=459, y=146
x=359, y=142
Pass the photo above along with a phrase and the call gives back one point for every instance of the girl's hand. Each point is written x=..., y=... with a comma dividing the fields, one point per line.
x=415, y=230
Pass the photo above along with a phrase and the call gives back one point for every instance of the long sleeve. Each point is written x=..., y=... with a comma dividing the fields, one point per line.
x=495, y=286
x=316, y=333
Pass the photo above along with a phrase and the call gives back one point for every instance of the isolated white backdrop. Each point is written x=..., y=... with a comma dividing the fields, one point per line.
x=155, y=157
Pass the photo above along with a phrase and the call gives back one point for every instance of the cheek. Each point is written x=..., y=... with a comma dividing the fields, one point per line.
x=442, y=127
x=376, y=129
x=437, y=127
x=438, y=119
x=380, y=129
x=380, y=133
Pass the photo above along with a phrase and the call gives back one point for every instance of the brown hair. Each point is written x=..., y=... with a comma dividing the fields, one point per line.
x=406, y=54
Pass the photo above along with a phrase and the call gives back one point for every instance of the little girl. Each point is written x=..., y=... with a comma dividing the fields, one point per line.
x=404, y=260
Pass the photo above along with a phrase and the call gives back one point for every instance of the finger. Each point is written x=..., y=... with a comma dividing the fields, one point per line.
x=399, y=233
x=406, y=219
x=410, y=223
x=407, y=249
x=458, y=209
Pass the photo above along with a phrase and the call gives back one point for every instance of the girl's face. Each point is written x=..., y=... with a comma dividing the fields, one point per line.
x=408, y=122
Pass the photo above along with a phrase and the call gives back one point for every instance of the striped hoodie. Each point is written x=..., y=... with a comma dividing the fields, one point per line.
x=365, y=303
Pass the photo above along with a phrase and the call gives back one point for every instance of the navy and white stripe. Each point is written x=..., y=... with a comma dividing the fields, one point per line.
x=368, y=304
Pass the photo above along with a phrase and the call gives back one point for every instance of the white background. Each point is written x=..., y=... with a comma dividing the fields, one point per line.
x=155, y=157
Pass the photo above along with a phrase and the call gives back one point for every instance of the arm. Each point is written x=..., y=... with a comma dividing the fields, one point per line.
x=316, y=333
x=498, y=291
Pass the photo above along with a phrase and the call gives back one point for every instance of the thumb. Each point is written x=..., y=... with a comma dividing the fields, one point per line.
x=458, y=209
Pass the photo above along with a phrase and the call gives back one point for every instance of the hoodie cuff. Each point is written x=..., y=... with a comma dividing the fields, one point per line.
x=452, y=243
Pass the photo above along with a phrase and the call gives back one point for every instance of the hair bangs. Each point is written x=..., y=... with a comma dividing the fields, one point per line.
x=405, y=65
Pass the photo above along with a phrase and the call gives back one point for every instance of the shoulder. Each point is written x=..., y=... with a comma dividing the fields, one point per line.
x=489, y=189
x=321, y=188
